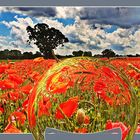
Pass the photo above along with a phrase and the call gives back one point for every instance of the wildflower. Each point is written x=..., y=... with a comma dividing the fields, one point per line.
x=10, y=128
x=17, y=116
x=124, y=129
x=14, y=96
x=44, y=106
x=87, y=120
x=26, y=89
x=15, y=78
x=7, y=84
x=68, y=108
x=1, y=110
x=81, y=130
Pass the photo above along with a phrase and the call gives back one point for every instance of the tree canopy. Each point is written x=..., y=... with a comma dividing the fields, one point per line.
x=108, y=53
x=46, y=38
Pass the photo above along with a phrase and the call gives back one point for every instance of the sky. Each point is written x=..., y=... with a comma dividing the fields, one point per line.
x=87, y=28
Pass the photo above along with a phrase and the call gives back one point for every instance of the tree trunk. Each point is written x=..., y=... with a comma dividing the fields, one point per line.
x=50, y=55
x=53, y=54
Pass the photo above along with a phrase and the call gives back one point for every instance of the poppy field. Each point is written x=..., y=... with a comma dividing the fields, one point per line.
x=94, y=97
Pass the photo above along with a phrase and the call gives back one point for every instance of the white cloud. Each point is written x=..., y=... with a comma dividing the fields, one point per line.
x=94, y=39
x=19, y=34
x=67, y=12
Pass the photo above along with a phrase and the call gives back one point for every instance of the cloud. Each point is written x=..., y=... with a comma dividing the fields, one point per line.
x=93, y=29
x=121, y=16
x=68, y=12
x=125, y=17
x=38, y=11
x=84, y=37
x=19, y=34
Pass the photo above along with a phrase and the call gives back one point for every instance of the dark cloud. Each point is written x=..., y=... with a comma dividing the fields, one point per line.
x=38, y=11
x=121, y=16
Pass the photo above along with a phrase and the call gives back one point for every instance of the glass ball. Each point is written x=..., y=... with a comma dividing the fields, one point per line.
x=83, y=95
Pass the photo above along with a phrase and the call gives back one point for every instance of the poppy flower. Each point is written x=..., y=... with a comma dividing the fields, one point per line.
x=99, y=86
x=138, y=129
x=3, y=68
x=7, y=84
x=11, y=71
x=87, y=119
x=25, y=104
x=44, y=106
x=124, y=129
x=14, y=96
x=10, y=128
x=69, y=108
x=17, y=116
x=35, y=76
x=15, y=78
x=26, y=89
x=1, y=110
x=81, y=130
x=57, y=84
x=108, y=72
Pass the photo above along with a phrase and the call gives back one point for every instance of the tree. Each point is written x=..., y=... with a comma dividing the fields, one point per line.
x=46, y=39
x=88, y=53
x=15, y=54
x=28, y=55
x=77, y=53
x=108, y=53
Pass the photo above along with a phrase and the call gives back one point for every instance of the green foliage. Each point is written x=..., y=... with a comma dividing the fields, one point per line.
x=46, y=38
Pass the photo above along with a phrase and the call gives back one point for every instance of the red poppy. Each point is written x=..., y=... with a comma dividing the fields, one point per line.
x=10, y=128
x=69, y=108
x=116, y=89
x=1, y=110
x=57, y=84
x=35, y=76
x=99, y=86
x=7, y=84
x=26, y=89
x=17, y=116
x=124, y=129
x=14, y=96
x=109, y=125
x=25, y=104
x=132, y=73
x=3, y=68
x=87, y=120
x=138, y=129
x=81, y=130
x=108, y=72
x=44, y=106
x=11, y=71
x=15, y=78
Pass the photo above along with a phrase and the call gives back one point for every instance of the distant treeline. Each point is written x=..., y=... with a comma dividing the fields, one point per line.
x=16, y=54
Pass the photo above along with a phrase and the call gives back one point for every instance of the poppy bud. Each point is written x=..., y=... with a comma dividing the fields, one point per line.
x=80, y=117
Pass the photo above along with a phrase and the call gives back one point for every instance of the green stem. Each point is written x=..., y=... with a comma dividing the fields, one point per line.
x=71, y=124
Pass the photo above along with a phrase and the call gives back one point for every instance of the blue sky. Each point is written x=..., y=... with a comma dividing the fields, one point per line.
x=88, y=29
